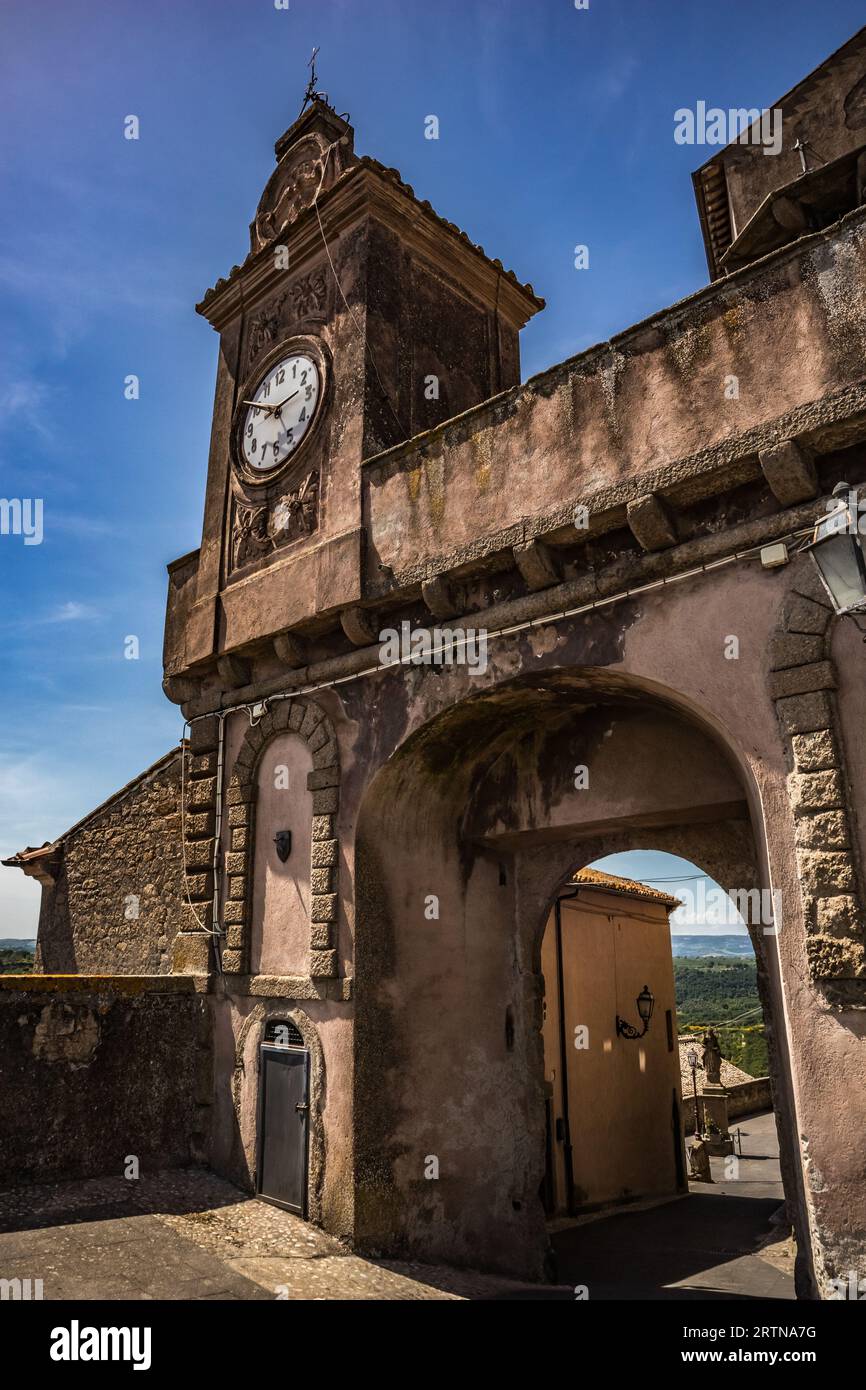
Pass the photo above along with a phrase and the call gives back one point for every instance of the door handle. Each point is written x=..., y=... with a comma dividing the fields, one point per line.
x=302, y=1106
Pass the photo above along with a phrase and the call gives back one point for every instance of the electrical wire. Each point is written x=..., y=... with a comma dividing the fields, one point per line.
x=593, y=605
x=368, y=351
x=184, y=746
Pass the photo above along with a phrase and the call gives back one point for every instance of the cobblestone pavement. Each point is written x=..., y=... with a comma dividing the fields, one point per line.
x=187, y=1234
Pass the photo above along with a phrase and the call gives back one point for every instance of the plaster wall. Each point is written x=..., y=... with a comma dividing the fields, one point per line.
x=414, y=838
x=239, y=1023
x=628, y=409
x=280, y=927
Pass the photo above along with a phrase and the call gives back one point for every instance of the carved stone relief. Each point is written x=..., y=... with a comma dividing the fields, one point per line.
x=292, y=188
x=256, y=531
x=307, y=295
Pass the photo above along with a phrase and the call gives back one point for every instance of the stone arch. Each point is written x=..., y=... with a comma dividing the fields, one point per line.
x=802, y=685
x=245, y=1088
x=476, y=791
x=308, y=721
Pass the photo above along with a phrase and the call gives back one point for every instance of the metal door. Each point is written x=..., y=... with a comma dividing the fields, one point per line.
x=283, y=1126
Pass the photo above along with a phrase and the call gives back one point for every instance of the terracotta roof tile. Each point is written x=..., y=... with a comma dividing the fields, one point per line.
x=393, y=176
x=628, y=887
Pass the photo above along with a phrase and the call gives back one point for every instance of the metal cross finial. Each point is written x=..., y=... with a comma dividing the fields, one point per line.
x=803, y=147
x=311, y=94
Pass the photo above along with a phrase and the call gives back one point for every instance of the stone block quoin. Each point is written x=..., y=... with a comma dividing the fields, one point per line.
x=191, y=951
x=802, y=684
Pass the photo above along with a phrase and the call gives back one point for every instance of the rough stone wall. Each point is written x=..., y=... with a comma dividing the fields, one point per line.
x=441, y=331
x=101, y=1070
x=116, y=905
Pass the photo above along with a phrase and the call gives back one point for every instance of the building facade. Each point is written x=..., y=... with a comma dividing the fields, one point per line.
x=372, y=835
x=614, y=1113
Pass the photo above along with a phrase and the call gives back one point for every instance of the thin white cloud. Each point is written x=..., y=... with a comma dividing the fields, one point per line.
x=613, y=82
x=84, y=526
x=71, y=612
x=27, y=398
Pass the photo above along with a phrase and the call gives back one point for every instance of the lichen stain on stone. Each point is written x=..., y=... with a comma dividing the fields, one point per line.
x=434, y=471
x=66, y=1034
x=482, y=455
x=734, y=319
x=564, y=404
x=689, y=347
x=506, y=663
x=413, y=483
x=609, y=378
x=839, y=291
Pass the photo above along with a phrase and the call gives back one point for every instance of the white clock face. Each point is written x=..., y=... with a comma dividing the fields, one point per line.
x=280, y=412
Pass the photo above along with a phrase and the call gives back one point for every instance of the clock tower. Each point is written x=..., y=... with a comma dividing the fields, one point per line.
x=359, y=319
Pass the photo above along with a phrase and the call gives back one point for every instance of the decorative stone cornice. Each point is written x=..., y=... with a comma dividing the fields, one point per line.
x=630, y=571
x=369, y=187
x=790, y=472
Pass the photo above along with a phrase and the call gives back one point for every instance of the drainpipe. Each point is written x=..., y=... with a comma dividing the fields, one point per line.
x=563, y=1053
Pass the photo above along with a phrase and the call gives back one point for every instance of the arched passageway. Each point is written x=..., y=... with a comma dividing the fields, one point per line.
x=464, y=840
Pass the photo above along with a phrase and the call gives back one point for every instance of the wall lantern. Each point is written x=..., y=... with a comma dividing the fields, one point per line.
x=645, y=1005
x=837, y=552
x=283, y=842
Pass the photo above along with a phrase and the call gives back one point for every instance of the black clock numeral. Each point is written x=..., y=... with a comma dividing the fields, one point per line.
x=281, y=376
x=294, y=370
x=249, y=429
x=255, y=445
x=266, y=388
x=304, y=375
x=290, y=436
x=303, y=414
x=309, y=393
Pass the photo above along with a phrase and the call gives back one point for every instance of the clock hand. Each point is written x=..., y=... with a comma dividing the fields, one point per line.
x=260, y=405
x=279, y=407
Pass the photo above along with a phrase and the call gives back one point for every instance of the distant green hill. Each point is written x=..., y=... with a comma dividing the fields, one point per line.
x=16, y=957
x=711, y=989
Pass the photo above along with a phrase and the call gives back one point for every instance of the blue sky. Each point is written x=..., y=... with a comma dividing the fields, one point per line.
x=702, y=912
x=556, y=128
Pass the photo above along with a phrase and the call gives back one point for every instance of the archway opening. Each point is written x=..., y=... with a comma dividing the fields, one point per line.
x=654, y=1007
x=465, y=838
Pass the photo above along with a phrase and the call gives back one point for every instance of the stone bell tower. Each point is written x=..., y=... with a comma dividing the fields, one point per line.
x=401, y=322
